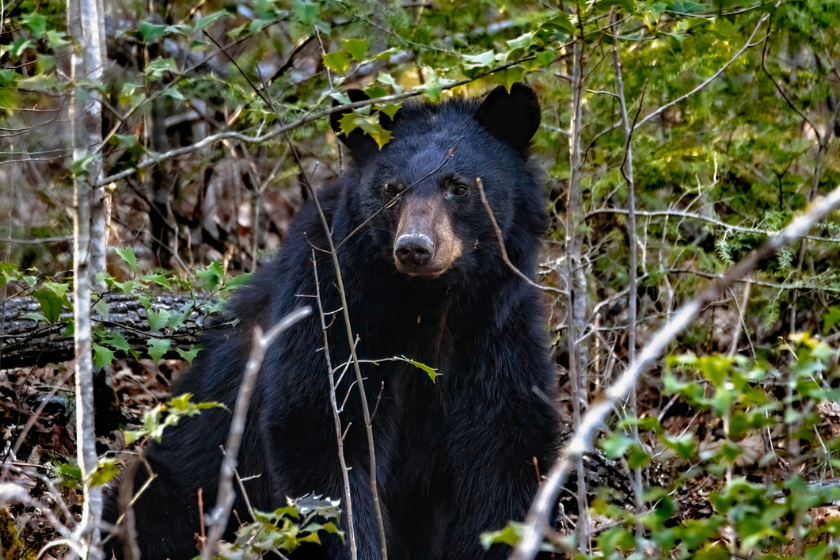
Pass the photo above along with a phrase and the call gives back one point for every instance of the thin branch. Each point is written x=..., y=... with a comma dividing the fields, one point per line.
x=224, y=501
x=627, y=171
x=692, y=216
x=501, y=239
x=584, y=436
x=359, y=379
x=259, y=139
x=348, y=509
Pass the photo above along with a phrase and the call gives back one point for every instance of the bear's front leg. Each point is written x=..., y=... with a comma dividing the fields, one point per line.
x=498, y=477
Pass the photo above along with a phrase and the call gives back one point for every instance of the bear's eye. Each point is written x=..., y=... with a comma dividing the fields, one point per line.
x=458, y=189
x=391, y=190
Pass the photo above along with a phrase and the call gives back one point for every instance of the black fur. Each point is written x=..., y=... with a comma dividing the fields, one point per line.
x=455, y=458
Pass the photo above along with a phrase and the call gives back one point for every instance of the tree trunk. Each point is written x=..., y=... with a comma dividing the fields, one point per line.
x=86, y=124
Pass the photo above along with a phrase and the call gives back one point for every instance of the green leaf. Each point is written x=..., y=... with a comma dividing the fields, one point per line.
x=305, y=11
x=35, y=317
x=189, y=355
x=104, y=472
x=8, y=78
x=238, y=280
x=151, y=31
x=432, y=372
x=615, y=445
x=116, y=341
x=158, y=347
x=36, y=23
x=127, y=254
x=830, y=319
x=337, y=62
x=212, y=276
x=102, y=356
x=50, y=304
x=56, y=40
x=208, y=19
x=508, y=77
x=521, y=42
x=158, y=319
x=509, y=535
x=160, y=66
x=356, y=48
x=484, y=60
x=159, y=279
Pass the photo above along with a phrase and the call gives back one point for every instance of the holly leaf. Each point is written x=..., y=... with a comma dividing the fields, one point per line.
x=116, y=341
x=508, y=77
x=158, y=319
x=158, y=347
x=102, y=356
x=189, y=355
x=127, y=254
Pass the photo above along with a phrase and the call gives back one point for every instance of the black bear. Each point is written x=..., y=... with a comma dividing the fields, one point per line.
x=425, y=279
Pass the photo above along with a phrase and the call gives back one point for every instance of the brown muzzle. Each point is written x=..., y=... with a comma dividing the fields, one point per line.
x=425, y=244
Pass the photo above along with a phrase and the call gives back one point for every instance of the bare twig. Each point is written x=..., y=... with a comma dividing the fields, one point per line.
x=224, y=500
x=576, y=280
x=585, y=433
x=707, y=219
x=501, y=239
x=359, y=379
x=627, y=171
x=348, y=501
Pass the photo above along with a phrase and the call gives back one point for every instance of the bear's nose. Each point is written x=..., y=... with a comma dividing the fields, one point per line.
x=414, y=250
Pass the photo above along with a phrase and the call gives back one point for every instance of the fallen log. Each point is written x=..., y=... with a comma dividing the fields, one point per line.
x=26, y=341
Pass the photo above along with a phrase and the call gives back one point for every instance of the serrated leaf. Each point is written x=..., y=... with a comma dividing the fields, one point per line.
x=212, y=276
x=159, y=279
x=615, y=445
x=35, y=317
x=127, y=254
x=432, y=372
x=116, y=341
x=189, y=355
x=508, y=77
x=158, y=319
x=160, y=66
x=102, y=356
x=158, y=347
x=356, y=48
x=36, y=23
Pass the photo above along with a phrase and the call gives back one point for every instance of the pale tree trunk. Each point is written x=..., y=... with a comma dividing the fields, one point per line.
x=86, y=124
x=576, y=280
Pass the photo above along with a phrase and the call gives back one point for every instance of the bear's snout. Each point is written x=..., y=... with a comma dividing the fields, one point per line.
x=414, y=250
x=425, y=244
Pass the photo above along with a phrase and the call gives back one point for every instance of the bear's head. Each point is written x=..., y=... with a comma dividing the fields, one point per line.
x=417, y=200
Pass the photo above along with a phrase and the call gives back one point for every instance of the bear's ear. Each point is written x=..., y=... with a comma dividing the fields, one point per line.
x=511, y=117
x=361, y=145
